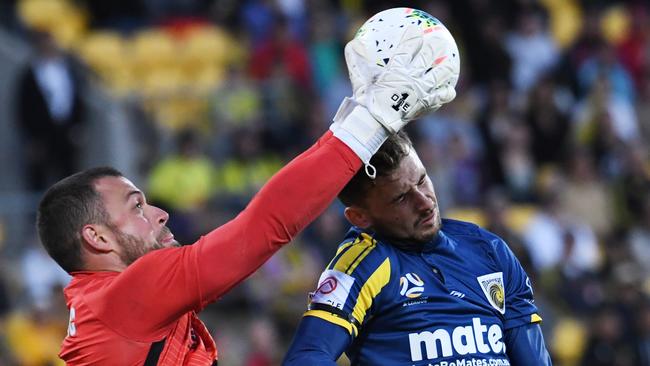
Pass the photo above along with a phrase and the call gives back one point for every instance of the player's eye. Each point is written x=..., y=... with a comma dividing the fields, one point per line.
x=422, y=180
x=139, y=205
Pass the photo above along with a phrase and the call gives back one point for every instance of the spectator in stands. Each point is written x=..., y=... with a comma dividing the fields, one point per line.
x=282, y=50
x=643, y=333
x=585, y=195
x=497, y=206
x=639, y=237
x=183, y=182
x=549, y=124
x=606, y=345
x=40, y=274
x=602, y=121
x=264, y=347
x=249, y=165
x=545, y=236
x=532, y=50
x=605, y=63
x=49, y=113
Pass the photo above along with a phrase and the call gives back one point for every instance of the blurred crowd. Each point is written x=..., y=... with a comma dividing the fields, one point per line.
x=546, y=145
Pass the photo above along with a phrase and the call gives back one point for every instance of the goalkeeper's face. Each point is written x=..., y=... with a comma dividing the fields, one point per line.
x=403, y=205
x=135, y=227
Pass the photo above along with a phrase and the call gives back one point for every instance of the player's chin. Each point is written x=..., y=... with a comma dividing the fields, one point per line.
x=425, y=234
x=169, y=244
x=427, y=231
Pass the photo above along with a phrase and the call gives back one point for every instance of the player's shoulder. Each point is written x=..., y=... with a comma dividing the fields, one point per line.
x=470, y=232
x=359, y=252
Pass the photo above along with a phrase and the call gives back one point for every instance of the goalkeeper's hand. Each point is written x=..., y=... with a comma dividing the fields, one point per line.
x=410, y=82
x=403, y=91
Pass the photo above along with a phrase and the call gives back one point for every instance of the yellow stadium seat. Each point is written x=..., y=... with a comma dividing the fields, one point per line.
x=568, y=341
x=206, y=79
x=153, y=48
x=565, y=20
x=106, y=53
x=616, y=23
x=60, y=18
x=161, y=82
x=206, y=45
x=103, y=50
x=42, y=14
x=70, y=31
x=518, y=216
x=469, y=214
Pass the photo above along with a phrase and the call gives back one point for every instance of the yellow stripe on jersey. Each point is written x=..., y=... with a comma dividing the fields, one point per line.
x=534, y=318
x=341, y=250
x=345, y=245
x=333, y=318
x=349, y=260
x=370, y=290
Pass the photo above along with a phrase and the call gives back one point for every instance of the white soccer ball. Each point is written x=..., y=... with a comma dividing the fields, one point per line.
x=382, y=33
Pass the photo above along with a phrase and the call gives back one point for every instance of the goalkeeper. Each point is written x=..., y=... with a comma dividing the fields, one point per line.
x=409, y=288
x=135, y=293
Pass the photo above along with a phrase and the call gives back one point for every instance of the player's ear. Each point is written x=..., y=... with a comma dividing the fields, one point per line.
x=96, y=238
x=357, y=216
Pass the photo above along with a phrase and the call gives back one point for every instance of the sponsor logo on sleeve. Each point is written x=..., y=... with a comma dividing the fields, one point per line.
x=333, y=289
x=494, y=290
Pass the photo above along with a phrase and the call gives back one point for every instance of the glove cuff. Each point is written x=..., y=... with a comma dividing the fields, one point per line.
x=361, y=132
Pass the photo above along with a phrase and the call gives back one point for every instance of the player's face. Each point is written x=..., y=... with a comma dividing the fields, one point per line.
x=137, y=227
x=403, y=205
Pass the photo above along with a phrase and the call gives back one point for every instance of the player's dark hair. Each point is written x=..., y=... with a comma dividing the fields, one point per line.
x=65, y=208
x=386, y=160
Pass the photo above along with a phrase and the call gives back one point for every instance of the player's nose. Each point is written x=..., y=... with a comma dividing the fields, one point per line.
x=422, y=201
x=160, y=216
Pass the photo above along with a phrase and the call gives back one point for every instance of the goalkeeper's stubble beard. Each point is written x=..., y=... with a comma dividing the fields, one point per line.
x=134, y=247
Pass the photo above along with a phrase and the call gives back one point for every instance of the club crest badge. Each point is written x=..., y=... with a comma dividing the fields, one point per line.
x=494, y=290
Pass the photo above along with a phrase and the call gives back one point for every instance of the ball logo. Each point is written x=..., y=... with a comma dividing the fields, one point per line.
x=411, y=285
x=327, y=286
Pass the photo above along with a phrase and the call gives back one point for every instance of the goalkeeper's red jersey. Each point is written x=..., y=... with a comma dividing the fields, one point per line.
x=115, y=317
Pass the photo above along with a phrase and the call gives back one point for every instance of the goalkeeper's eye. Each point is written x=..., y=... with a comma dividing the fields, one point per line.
x=400, y=198
x=422, y=180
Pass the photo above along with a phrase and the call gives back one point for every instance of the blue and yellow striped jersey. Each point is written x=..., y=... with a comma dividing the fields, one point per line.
x=448, y=304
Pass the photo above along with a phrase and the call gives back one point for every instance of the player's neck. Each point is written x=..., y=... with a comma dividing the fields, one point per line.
x=103, y=262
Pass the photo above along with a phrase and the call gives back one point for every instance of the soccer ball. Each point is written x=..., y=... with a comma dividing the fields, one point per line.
x=382, y=32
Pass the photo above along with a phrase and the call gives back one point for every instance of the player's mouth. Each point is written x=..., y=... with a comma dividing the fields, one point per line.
x=426, y=220
x=166, y=238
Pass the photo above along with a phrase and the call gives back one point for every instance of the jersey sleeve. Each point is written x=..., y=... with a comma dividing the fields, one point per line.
x=519, y=301
x=309, y=347
x=154, y=291
x=349, y=286
x=526, y=346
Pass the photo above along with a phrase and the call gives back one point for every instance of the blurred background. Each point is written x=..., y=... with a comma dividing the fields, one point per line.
x=200, y=102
